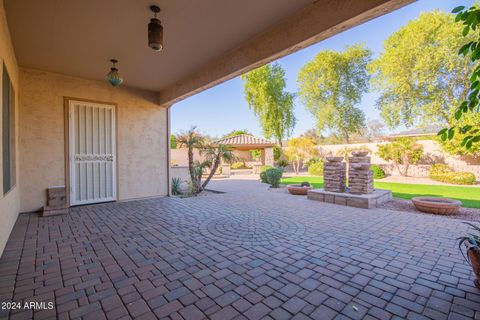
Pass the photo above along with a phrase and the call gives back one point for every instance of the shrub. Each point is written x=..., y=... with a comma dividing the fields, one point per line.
x=443, y=173
x=265, y=168
x=316, y=168
x=403, y=152
x=274, y=175
x=277, y=153
x=176, y=186
x=263, y=175
x=283, y=163
x=437, y=171
x=461, y=178
x=305, y=184
x=378, y=172
x=238, y=165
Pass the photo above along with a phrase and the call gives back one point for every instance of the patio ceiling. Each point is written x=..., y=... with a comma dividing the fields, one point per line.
x=206, y=42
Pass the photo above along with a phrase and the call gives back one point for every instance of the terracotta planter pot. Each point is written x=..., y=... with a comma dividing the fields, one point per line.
x=298, y=190
x=473, y=254
x=442, y=206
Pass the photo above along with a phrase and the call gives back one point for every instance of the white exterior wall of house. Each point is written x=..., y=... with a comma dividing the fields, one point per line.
x=10, y=202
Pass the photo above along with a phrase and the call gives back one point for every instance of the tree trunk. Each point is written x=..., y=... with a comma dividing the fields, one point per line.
x=212, y=172
x=190, y=163
x=398, y=166
x=347, y=137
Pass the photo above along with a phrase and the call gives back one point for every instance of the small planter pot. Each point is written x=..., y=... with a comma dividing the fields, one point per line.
x=473, y=254
x=298, y=190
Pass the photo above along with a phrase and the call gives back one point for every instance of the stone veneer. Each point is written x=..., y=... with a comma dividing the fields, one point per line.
x=360, y=177
x=334, y=175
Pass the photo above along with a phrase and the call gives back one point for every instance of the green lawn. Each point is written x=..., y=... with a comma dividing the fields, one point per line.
x=469, y=196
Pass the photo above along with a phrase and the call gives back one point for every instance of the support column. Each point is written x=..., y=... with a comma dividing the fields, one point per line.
x=269, y=160
x=169, y=154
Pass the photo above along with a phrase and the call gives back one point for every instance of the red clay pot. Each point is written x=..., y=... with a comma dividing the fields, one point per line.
x=298, y=190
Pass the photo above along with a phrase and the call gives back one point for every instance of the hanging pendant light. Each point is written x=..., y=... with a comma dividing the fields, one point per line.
x=155, y=31
x=113, y=77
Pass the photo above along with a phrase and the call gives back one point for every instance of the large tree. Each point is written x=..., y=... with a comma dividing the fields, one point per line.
x=265, y=92
x=300, y=150
x=419, y=74
x=332, y=84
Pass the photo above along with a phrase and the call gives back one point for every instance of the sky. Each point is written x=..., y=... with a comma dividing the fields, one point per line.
x=223, y=108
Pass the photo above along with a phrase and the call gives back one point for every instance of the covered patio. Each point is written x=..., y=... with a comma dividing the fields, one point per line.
x=245, y=254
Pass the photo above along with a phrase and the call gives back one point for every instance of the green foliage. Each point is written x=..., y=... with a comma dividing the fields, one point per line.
x=299, y=150
x=176, y=186
x=273, y=176
x=256, y=154
x=332, y=84
x=173, y=142
x=265, y=168
x=402, y=152
x=456, y=145
x=239, y=165
x=277, y=153
x=263, y=175
x=192, y=139
x=378, y=172
x=461, y=178
x=419, y=75
x=264, y=90
x=214, y=155
x=234, y=133
x=439, y=170
x=468, y=20
x=316, y=168
x=471, y=241
x=443, y=173
x=282, y=163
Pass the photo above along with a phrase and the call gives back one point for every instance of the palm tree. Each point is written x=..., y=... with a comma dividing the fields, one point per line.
x=214, y=155
x=191, y=139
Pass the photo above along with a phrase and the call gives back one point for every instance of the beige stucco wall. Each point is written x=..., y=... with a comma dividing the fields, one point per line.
x=141, y=135
x=9, y=203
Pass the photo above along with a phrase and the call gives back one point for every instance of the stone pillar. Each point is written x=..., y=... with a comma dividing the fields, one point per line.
x=360, y=177
x=269, y=161
x=334, y=175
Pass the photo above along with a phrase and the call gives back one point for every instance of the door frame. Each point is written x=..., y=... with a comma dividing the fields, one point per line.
x=67, y=154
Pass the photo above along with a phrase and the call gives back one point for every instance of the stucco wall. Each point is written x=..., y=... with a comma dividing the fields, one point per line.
x=141, y=135
x=9, y=203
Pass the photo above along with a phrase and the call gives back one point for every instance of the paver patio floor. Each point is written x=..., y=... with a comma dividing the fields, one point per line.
x=245, y=254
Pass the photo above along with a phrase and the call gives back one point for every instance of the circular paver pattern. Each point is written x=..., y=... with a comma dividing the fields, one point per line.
x=251, y=229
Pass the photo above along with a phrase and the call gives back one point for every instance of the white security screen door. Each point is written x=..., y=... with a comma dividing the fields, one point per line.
x=92, y=152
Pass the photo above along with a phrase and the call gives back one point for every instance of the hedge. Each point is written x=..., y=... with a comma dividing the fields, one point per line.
x=378, y=172
x=443, y=173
